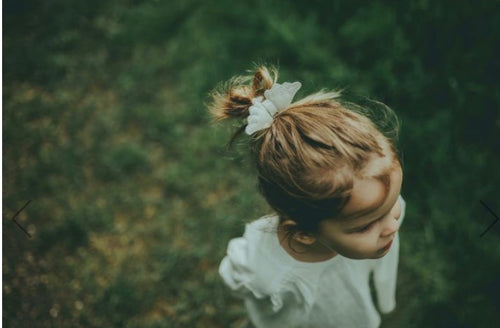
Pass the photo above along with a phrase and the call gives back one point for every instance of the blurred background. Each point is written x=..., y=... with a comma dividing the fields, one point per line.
x=134, y=195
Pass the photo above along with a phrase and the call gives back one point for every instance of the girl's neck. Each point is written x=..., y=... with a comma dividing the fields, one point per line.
x=315, y=252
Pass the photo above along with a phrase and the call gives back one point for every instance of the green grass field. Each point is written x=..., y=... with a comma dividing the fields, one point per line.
x=134, y=195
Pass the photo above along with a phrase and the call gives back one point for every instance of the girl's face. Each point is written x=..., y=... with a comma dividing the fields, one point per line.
x=369, y=221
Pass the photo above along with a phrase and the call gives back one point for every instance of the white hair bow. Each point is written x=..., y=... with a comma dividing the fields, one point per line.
x=278, y=98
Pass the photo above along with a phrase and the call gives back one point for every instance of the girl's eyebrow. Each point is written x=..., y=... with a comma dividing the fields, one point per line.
x=364, y=224
x=364, y=212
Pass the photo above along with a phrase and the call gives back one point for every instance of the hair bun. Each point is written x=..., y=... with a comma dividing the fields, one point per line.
x=233, y=98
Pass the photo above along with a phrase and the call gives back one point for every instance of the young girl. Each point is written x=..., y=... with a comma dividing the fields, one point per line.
x=330, y=170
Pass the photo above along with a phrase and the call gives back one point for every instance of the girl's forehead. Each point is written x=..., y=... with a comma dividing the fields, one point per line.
x=378, y=166
x=369, y=194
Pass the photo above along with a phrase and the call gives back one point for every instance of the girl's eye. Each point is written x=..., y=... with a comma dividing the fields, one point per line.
x=368, y=226
x=364, y=229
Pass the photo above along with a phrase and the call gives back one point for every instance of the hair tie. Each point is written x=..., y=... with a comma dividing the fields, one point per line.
x=262, y=112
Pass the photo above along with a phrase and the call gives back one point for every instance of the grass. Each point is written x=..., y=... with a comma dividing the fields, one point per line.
x=134, y=196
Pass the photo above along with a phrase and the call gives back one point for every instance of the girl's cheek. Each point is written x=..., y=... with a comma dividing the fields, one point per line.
x=365, y=241
x=398, y=210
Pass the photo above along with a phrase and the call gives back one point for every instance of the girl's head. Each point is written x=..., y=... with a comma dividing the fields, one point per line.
x=321, y=161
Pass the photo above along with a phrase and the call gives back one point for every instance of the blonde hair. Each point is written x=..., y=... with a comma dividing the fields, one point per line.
x=308, y=157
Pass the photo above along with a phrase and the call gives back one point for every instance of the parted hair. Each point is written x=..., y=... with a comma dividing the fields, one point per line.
x=307, y=159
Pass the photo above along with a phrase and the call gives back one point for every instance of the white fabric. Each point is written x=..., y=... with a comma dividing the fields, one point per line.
x=278, y=98
x=280, y=291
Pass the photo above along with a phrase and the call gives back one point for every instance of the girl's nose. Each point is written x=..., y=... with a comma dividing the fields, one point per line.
x=391, y=226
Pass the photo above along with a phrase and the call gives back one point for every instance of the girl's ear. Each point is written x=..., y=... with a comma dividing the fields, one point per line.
x=299, y=236
x=304, y=238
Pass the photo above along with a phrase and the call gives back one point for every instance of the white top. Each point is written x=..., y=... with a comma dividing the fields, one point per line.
x=280, y=291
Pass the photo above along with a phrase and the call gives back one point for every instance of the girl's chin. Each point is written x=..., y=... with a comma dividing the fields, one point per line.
x=382, y=252
x=367, y=256
x=378, y=256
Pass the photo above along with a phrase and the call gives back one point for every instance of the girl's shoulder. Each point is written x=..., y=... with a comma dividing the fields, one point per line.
x=265, y=224
x=255, y=270
x=254, y=262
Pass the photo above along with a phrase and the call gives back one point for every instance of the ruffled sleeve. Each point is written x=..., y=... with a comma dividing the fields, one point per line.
x=271, y=295
x=235, y=269
x=285, y=306
x=385, y=272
